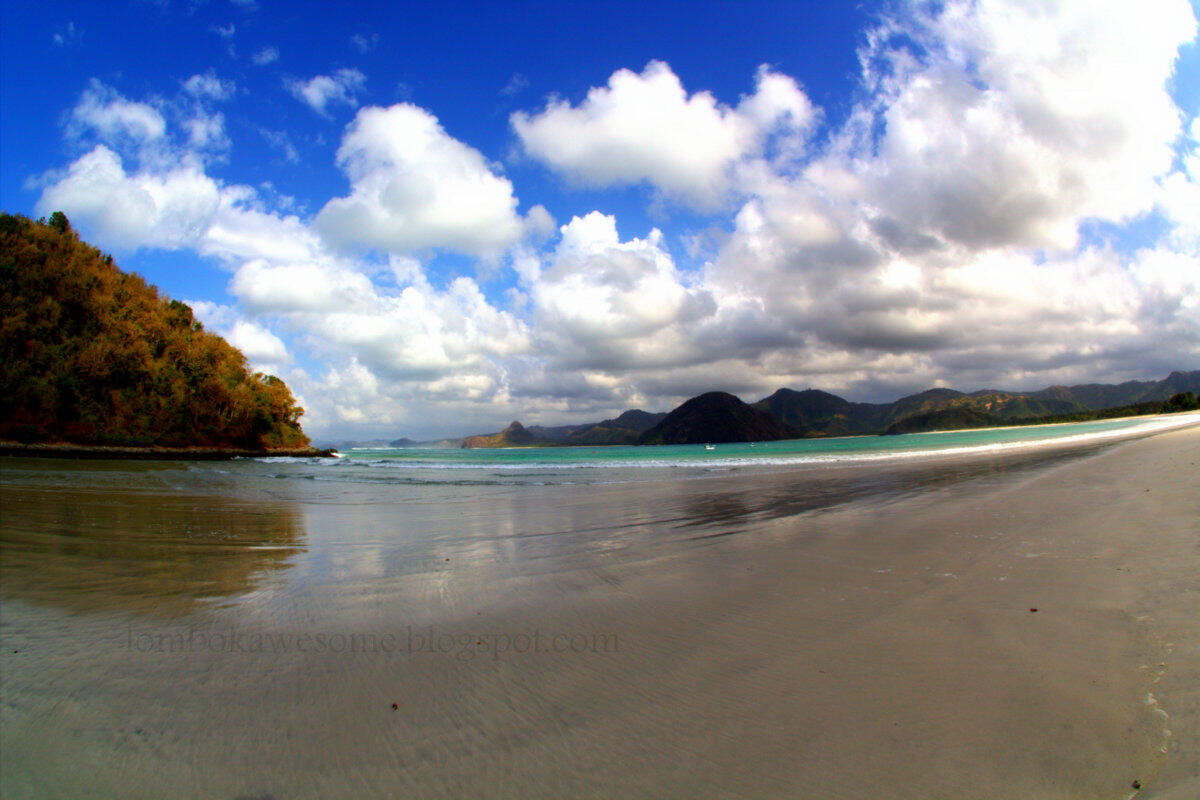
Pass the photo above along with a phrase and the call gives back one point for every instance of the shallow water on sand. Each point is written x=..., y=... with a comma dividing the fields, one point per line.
x=161, y=619
x=172, y=537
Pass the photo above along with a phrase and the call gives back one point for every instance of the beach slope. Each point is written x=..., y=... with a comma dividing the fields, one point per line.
x=1022, y=625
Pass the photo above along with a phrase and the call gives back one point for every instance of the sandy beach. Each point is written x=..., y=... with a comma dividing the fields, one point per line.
x=1023, y=625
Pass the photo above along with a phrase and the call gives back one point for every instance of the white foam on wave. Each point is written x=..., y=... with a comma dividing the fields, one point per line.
x=299, y=459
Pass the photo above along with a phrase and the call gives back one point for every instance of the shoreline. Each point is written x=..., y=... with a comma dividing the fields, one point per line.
x=107, y=452
x=1167, y=415
x=767, y=460
x=1033, y=423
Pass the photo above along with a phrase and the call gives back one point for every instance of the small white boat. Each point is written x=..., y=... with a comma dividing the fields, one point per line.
x=710, y=447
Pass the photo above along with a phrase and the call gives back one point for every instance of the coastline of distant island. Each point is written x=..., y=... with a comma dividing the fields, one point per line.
x=716, y=417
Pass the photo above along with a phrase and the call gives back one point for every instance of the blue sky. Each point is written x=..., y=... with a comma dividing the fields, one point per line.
x=434, y=218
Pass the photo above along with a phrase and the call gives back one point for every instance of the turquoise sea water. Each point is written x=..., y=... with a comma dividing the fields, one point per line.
x=551, y=465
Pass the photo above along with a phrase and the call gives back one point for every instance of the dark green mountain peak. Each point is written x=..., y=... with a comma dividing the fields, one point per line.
x=714, y=418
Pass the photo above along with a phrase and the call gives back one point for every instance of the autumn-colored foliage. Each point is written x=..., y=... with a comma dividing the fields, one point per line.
x=92, y=355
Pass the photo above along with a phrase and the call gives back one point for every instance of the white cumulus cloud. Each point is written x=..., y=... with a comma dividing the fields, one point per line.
x=267, y=55
x=610, y=304
x=312, y=286
x=208, y=86
x=113, y=118
x=261, y=347
x=1023, y=119
x=414, y=186
x=320, y=91
x=645, y=127
x=206, y=131
x=158, y=209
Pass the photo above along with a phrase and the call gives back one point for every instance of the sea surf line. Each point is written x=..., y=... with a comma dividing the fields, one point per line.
x=745, y=454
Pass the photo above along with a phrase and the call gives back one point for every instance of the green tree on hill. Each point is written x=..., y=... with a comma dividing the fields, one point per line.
x=58, y=221
x=92, y=355
x=1184, y=401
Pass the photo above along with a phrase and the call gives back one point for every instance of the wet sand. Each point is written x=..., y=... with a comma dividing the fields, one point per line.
x=743, y=636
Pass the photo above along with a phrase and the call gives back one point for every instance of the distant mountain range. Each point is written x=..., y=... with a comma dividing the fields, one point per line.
x=624, y=429
x=514, y=435
x=717, y=417
x=818, y=413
